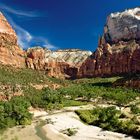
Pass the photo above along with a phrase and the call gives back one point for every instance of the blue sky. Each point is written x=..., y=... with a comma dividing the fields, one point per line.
x=61, y=24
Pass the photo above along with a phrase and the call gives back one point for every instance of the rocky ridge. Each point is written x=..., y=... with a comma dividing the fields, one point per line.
x=60, y=63
x=118, y=49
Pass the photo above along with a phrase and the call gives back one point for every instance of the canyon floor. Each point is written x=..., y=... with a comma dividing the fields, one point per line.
x=54, y=103
x=51, y=126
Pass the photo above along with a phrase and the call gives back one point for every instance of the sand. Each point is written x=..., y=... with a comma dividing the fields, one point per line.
x=62, y=120
x=67, y=120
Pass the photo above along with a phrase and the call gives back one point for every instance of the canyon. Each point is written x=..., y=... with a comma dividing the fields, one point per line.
x=38, y=103
x=60, y=63
x=117, y=53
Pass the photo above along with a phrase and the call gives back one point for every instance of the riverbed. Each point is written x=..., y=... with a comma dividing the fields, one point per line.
x=51, y=126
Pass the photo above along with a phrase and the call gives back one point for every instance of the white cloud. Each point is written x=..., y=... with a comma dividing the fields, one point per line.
x=25, y=39
x=19, y=12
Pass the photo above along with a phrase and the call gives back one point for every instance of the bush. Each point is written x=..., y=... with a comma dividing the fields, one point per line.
x=135, y=109
x=108, y=119
x=14, y=112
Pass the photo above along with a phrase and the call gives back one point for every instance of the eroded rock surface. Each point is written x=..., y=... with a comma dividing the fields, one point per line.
x=10, y=53
x=60, y=63
x=118, y=49
x=123, y=26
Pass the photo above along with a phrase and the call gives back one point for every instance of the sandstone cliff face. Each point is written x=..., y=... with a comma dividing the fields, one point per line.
x=70, y=56
x=118, y=50
x=60, y=63
x=10, y=53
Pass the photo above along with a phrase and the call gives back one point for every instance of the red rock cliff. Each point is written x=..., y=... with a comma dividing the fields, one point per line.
x=60, y=63
x=118, y=50
x=10, y=53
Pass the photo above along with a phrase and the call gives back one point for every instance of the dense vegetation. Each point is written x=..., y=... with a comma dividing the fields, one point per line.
x=103, y=91
x=109, y=119
x=14, y=110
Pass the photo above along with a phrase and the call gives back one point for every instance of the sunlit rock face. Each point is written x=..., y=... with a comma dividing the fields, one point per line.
x=123, y=26
x=5, y=26
x=73, y=57
x=118, y=49
x=10, y=53
x=60, y=63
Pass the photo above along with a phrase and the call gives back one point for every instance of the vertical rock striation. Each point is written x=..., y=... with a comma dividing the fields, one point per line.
x=60, y=63
x=10, y=53
x=118, y=49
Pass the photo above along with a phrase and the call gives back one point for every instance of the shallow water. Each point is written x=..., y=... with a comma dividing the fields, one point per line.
x=40, y=132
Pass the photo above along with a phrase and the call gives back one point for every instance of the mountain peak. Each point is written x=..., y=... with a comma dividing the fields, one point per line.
x=123, y=26
x=5, y=27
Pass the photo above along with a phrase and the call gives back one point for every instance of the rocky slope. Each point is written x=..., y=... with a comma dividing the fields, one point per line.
x=118, y=49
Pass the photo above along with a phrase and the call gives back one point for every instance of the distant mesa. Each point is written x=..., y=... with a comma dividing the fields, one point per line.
x=60, y=63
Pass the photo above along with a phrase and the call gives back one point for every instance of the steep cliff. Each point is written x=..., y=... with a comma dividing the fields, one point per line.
x=123, y=26
x=10, y=53
x=118, y=49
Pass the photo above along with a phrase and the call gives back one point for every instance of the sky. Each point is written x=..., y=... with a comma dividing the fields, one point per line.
x=61, y=24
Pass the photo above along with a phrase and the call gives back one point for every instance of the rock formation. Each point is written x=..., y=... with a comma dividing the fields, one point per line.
x=123, y=26
x=10, y=53
x=118, y=49
x=60, y=63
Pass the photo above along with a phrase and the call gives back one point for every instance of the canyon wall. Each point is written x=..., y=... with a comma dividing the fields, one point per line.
x=10, y=53
x=60, y=63
x=118, y=51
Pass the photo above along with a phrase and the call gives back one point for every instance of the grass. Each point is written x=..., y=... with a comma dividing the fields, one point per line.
x=68, y=103
x=20, y=76
x=93, y=89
